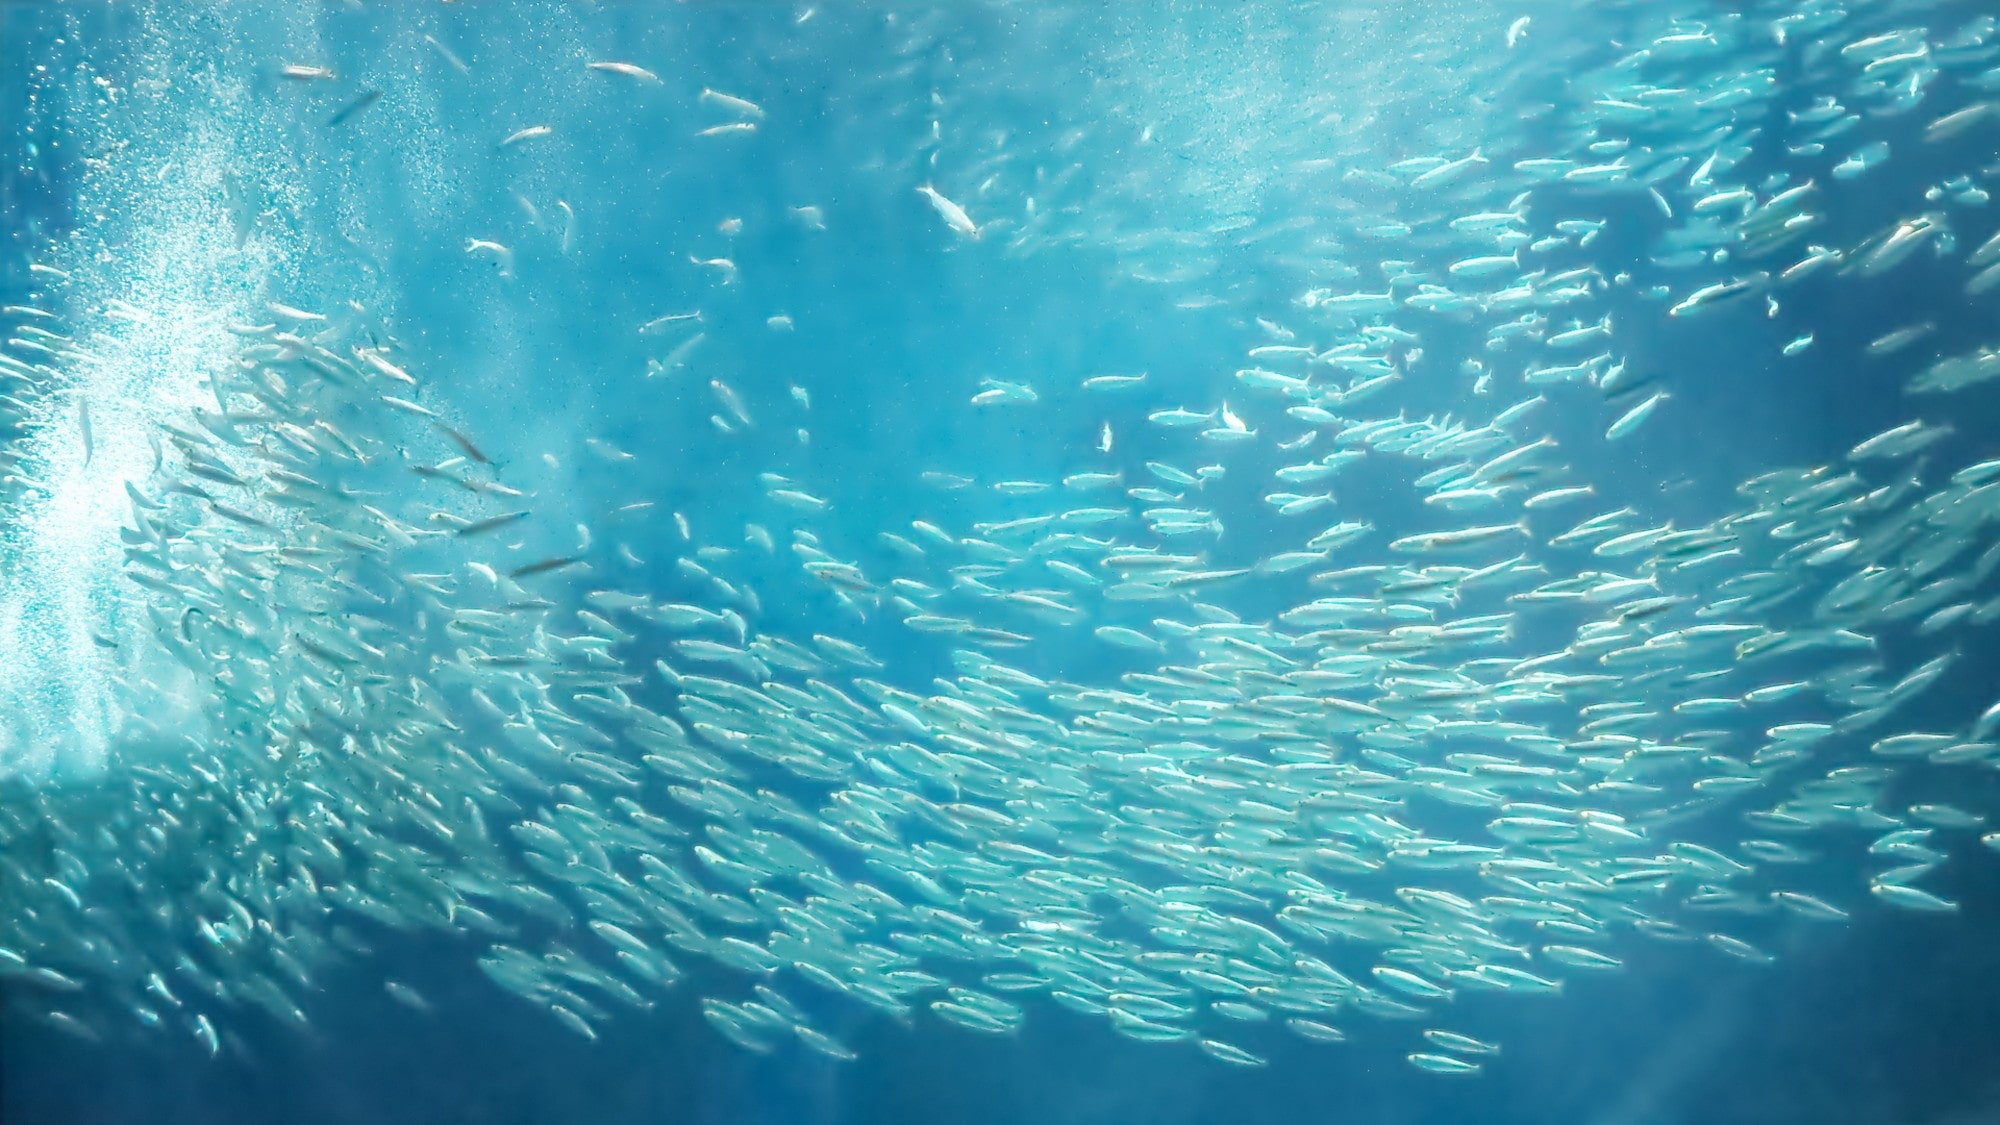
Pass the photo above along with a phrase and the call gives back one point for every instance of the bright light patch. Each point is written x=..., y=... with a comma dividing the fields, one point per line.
x=84, y=669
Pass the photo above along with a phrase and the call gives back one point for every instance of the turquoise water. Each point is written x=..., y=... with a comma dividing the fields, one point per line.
x=992, y=562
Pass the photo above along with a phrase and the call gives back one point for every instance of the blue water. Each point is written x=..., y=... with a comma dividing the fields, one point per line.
x=1888, y=1018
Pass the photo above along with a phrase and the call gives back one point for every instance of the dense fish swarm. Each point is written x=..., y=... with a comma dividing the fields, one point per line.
x=1472, y=726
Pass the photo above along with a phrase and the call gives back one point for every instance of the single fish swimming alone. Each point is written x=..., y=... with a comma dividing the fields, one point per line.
x=347, y=112
x=954, y=216
x=626, y=69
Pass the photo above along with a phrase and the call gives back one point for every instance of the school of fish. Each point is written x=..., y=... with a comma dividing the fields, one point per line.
x=1480, y=721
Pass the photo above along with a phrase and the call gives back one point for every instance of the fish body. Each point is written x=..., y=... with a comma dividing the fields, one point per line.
x=953, y=215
